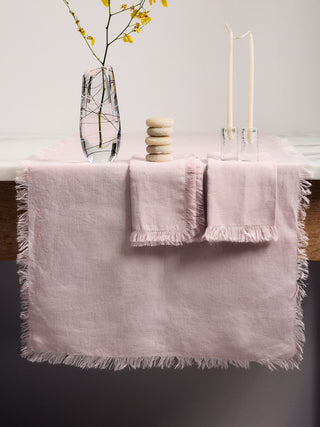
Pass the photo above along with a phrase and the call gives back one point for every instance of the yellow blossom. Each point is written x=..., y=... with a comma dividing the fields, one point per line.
x=91, y=39
x=128, y=38
x=138, y=19
x=146, y=20
x=137, y=28
x=163, y=2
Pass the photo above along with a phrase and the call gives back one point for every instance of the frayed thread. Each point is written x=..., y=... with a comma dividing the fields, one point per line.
x=241, y=234
x=194, y=214
x=172, y=237
x=23, y=255
x=175, y=362
x=302, y=268
x=120, y=363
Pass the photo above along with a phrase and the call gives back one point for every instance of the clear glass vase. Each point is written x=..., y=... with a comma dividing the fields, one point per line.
x=100, y=129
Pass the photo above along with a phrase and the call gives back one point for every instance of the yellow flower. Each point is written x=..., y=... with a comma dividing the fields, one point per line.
x=146, y=20
x=134, y=12
x=137, y=28
x=163, y=2
x=128, y=38
x=106, y=3
x=81, y=30
x=92, y=40
x=124, y=6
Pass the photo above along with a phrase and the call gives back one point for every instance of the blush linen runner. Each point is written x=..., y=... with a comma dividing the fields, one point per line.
x=92, y=300
x=166, y=202
x=241, y=200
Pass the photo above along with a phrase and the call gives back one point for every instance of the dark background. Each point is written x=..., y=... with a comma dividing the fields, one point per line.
x=45, y=395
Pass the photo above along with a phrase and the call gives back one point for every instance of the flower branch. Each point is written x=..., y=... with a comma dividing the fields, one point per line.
x=82, y=31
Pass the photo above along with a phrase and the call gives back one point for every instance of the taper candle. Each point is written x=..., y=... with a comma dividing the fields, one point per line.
x=230, y=85
x=250, y=88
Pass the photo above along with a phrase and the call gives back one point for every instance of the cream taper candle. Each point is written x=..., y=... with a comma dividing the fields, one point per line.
x=230, y=84
x=250, y=88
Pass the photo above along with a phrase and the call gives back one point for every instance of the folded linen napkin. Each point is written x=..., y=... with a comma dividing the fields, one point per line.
x=242, y=200
x=166, y=202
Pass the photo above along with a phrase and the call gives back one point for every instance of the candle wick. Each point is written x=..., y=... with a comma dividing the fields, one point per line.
x=228, y=28
x=242, y=36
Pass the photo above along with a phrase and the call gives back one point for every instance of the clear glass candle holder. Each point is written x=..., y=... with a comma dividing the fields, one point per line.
x=249, y=145
x=229, y=144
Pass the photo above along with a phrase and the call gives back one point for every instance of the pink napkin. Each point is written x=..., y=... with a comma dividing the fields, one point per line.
x=166, y=202
x=242, y=200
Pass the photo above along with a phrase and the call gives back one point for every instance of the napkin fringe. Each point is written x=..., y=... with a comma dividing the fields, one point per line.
x=241, y=233
x=176, y=362
x=194, y=217
x=158, y=238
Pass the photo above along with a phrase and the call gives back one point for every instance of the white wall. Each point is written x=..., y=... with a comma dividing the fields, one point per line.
x=176, y=67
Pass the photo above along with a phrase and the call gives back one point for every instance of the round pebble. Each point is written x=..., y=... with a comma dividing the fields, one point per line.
x=158, y=140
x=159, y=122
x=159, y=157
x=159, y=131
x=159, y=149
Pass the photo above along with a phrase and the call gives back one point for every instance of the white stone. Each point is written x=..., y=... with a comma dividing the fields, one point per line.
x=159, y=122
x=159, y=131
x=159, y=157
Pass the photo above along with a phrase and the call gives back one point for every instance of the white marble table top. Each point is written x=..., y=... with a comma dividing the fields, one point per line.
x=16, y=148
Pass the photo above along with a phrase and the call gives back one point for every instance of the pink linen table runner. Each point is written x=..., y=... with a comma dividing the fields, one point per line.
x=90, y=299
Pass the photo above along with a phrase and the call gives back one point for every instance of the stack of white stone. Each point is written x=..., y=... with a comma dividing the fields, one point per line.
x=159, y=142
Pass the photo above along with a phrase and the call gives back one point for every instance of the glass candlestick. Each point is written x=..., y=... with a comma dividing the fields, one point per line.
x=249, y=145
x=229, y=144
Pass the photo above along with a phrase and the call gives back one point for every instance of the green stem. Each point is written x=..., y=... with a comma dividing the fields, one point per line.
x=103, y=79
x=100, y=109
x=120, y=11
x=107, y=36
x=140, y=4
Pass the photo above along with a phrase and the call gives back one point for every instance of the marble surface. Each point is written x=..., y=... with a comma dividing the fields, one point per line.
x=16, y=148
x=309, y=146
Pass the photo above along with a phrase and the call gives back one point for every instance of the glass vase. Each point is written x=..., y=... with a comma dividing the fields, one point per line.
x=100, y=129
